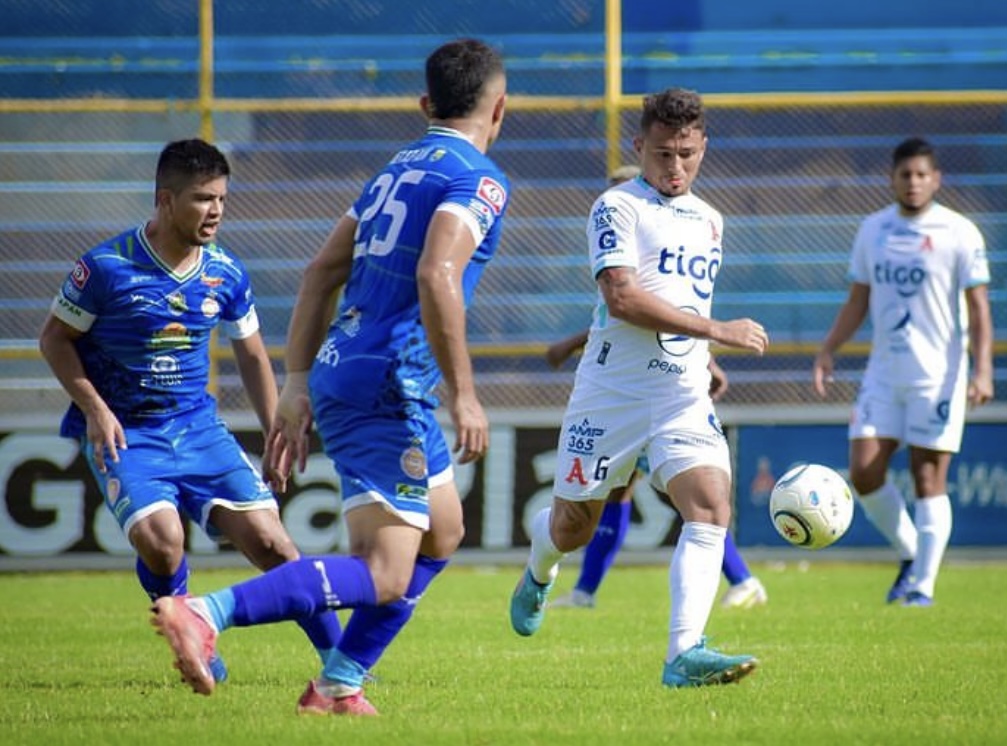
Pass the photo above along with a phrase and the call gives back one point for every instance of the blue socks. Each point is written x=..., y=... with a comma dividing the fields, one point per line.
x=371, y=629
x=601, y=551
x=157, y=586
x=734, y=567
x=300, y=589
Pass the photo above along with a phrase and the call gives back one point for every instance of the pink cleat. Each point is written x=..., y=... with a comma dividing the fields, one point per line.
x=313, y=702
x=192, y=639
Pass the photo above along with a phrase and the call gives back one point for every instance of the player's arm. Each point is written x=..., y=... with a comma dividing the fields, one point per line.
x=559, y=352
x=718, y=380
x=256, y=373
x=448, y=247
x=980, y=345
x=104, y=431
x=848, y=320
x=629, y=301
x=324, y=277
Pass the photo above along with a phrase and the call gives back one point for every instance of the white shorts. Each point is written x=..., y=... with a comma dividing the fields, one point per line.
x=603, y=435
x=930, y=416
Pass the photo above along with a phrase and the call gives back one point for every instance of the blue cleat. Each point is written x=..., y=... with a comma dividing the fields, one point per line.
x=915, y=598
x=900, y=587
x=703, y=666
x=218, y=669
x=527, y=605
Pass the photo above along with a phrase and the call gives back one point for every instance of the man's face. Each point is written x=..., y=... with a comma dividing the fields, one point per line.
x=195, y=212
x=915, y=181
x=670, y=158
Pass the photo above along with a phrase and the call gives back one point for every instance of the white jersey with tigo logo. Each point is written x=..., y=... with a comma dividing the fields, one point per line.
x=674, y=244
x=918, y=269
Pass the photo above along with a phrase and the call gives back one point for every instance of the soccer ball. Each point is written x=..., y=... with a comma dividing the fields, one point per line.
x=811, y=506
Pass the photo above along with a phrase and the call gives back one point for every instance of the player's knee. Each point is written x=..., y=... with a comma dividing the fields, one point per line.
x=390, y=584
x=571, y=529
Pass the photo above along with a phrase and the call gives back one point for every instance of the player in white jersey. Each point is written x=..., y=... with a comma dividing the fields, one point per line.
x=920, y=270
x=643, y=386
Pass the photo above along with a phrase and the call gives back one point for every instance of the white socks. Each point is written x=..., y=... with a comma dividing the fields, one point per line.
x=933, y=523
x=694, y=577
x=886, y=509
x=544, y=558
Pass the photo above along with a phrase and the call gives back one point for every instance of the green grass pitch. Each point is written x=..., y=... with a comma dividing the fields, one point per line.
x=81, y=665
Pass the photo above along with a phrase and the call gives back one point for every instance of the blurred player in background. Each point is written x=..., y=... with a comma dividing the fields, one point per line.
x=409, y=253
x=646, y=361
x=128, y=337
x=920, y=270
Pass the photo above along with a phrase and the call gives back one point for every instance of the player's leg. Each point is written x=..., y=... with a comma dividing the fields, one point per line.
x=933, y=521
x=601, y=551
x=599, y=443
x=261, y=537
x=935, y=422
x=227, y=496
x=692, y=460
x=876, y=428
x=371, y=629
x=744, y=589
x=555, y=532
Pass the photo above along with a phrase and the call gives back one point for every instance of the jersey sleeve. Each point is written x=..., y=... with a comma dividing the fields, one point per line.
x=238, y=317
x=859, y=270
x=78, y=301
x=479, y=199
x=611, y=238
x=973, y=264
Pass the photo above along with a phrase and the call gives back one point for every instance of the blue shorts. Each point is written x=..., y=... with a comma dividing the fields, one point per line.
x=390, y=460
x=190, y=464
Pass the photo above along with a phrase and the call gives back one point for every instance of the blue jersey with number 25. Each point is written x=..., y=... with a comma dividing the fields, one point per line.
x=376, y=354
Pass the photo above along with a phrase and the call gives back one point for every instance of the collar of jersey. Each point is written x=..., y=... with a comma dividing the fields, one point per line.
x=437, y=129
x=141, y=233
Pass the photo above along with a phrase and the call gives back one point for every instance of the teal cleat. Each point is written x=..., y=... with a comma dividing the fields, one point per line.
x=527, y=605
x=703, y=666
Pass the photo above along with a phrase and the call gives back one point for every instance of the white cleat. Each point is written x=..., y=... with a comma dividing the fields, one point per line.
x=744, y=595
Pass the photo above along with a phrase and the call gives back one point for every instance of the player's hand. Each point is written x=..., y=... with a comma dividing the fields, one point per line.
x=557, y=354
x=472, y=430
x=718, y=381
x=746, y=334
x=287, y=442
x=822, y=372
x=106, y=436
x=980, y=390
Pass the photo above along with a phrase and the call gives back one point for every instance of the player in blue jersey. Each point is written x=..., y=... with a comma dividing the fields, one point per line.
x=128, y=337
x=407, y=256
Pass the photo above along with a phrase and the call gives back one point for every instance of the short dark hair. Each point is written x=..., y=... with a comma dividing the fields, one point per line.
x=457, y=73
x=676, y=108
x=184, y=161
x=912, y=147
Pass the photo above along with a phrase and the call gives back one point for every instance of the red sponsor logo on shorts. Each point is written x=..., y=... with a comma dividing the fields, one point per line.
x=80, y=274
x=492, y=193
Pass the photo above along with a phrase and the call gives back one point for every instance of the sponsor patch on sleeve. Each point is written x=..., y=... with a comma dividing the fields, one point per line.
x=492, y=193
x=80, y=274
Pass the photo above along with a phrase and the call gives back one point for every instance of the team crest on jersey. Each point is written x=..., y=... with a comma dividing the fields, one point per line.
x=80, y=274
x=492, y=193
x=176, y=303
x=413, y=463
x=210, y=307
